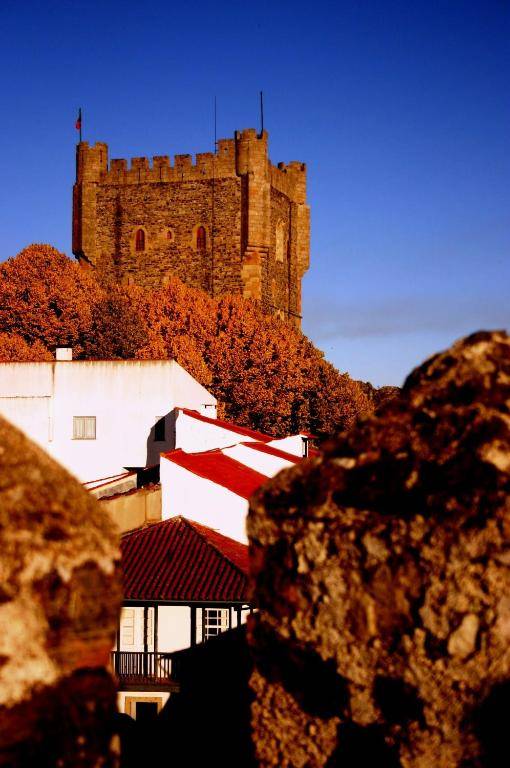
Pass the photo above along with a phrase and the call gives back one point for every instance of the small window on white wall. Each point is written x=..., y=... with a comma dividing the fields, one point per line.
x=84, y=427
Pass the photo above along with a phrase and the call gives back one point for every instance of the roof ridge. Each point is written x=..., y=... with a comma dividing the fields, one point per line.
x=148, y=524
x=192, y=524
x=258, y=445
x=228, y=425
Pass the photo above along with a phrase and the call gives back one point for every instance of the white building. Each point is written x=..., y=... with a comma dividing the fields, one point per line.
x=100, y=418
x=183, y=584
x=217, y=468
x=197, y=431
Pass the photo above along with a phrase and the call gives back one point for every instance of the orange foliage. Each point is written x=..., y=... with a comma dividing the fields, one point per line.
x=265, y=374
x=14, y=348
x=180, y=321
x=117, y=327
x=46, y=297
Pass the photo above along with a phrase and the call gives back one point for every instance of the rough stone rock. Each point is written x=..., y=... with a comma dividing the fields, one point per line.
x=382, y=574
x=59, y=601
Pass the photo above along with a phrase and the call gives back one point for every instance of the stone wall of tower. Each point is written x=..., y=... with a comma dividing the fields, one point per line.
x=247, y=206
x=171, y=211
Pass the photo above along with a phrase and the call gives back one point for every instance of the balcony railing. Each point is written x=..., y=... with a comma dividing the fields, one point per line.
x=139, y=668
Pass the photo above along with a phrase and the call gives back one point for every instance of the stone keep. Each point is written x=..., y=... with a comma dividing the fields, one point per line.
x=230, y=223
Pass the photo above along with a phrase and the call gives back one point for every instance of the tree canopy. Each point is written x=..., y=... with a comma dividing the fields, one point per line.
x=265, y=374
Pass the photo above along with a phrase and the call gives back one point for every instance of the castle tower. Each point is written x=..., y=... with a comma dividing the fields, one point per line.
x=229, y=223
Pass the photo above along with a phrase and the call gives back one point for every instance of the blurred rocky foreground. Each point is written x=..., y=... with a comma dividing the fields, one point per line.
x=59, y=602
x=382, y=573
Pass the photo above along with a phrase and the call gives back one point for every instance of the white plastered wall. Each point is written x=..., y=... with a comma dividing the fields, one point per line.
x=201, y=500
x=127, y=398
x=174, y=622
x=261, y=462
x=292, y=444
x=193, y=435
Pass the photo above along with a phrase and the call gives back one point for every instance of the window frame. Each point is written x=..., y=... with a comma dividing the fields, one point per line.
x=127, y=624
x=140, y=235
x=222, y=621
x=201, y=238
x=83, y=420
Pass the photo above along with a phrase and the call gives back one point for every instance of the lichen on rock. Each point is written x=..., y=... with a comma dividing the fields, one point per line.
x=381, y=571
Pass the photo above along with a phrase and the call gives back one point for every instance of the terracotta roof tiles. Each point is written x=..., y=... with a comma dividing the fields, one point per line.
x=220, y=469
x=178, y=559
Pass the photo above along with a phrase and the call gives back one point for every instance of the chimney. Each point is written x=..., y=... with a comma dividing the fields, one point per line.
x=63, y=354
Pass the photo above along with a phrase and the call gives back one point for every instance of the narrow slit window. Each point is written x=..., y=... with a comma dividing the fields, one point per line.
x=201, y=239
x=280, y=242
x=140, y=240
x=84, y=427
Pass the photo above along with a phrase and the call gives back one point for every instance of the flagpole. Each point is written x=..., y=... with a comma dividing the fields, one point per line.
x=80, y=125
x=215, y=135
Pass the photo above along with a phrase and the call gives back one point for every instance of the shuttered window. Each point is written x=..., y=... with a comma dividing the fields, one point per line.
x=127, y=627
x=84, y=427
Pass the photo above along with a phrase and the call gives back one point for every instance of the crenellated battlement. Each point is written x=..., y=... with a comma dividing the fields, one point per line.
x=163, y=168
x=290, y=179
x=245, y=153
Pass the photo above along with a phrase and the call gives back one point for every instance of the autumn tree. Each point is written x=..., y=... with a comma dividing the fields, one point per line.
x=14, y=348
x=118, y=327
x=265, y=374
x=181, y=322
x=46, y=297
x=271, y=376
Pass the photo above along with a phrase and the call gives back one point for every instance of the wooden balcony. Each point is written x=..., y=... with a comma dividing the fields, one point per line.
x=137, y=671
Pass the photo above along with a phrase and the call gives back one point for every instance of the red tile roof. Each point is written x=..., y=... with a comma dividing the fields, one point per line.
x=227, y=425
x=220, y=469
x=272, y=451
x=179, y=559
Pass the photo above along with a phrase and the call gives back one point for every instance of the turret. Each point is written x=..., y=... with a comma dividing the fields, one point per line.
x=253, y=166
x=252, y=153
x=91, y=163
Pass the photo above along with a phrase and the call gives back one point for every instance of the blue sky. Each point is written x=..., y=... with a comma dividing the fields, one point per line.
x=400, y=109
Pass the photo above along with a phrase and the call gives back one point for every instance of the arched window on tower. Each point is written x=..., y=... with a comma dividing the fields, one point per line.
x=201, y=239
x=140, y=240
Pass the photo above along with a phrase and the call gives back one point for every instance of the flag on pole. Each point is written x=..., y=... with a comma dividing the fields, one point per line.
x=78, y=122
